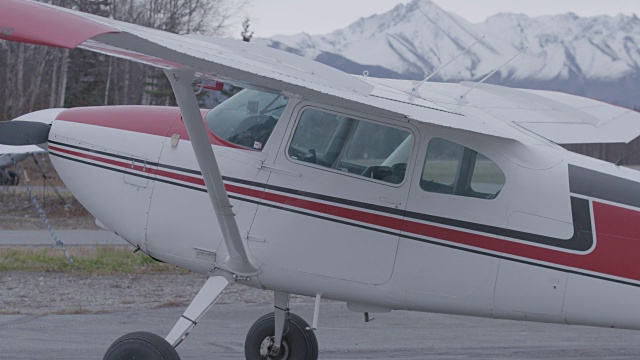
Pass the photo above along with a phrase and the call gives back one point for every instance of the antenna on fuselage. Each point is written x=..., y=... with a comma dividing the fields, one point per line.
x=417, y=87
x=463, y=97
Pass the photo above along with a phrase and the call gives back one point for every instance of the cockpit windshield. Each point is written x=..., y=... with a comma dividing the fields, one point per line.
x=247, y=118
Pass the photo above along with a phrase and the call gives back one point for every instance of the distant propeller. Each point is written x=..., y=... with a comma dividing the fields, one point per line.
x=18, y=133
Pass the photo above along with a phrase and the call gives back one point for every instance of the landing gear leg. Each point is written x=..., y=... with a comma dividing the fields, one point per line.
x=207, y=296
x=281, y=313
x=281, y=335
x=147, y=346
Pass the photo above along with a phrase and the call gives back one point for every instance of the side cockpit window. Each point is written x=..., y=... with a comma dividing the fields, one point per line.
x=358, y=147
x=247, y=118
x=453, y=169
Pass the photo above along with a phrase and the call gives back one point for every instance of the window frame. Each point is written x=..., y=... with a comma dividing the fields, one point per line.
x=376, y=119
x=285, y=117
x=467, y=176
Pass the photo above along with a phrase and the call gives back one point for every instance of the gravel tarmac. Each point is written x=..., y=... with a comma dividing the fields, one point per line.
x=42, y=293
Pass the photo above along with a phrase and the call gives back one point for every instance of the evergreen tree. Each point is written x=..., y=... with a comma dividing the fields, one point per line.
x=246, y=34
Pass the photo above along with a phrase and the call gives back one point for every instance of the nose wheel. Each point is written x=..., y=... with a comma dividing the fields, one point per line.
x=141, y=346
x=297, y=342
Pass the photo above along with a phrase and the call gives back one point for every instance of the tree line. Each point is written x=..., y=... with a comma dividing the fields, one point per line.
x=40, y=77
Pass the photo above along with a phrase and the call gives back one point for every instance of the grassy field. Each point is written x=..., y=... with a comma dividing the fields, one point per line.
x=100, y=260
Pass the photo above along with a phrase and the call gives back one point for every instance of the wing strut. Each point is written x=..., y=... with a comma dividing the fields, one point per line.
x=238, y=261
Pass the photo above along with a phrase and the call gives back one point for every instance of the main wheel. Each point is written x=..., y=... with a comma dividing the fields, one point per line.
x=298, y=343
x=141, y=346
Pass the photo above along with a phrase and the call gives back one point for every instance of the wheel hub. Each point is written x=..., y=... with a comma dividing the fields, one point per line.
x=268, y=351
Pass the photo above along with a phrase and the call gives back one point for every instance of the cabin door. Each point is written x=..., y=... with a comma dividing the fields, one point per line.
x=335, y=197
x=454, y=223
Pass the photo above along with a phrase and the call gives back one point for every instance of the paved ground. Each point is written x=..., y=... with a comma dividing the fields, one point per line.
x=343, y=335
x=69, y=237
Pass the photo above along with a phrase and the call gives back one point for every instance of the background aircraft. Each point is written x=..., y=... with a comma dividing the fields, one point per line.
x=12, y=148
x=7, y=156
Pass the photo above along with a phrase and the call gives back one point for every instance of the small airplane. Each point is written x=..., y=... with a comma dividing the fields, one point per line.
x=9, y=155
x=384, y=194
x=7, y=176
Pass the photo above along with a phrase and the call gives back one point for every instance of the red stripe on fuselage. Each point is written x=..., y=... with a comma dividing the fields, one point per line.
x=616, y=252
x=129, y=166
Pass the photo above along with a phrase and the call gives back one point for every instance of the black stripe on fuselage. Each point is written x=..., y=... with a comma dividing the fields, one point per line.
x=604, y=186
x=581, y=240
x=128, y=158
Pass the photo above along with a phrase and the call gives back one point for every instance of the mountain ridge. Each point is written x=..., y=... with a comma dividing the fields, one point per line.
x=597, y=57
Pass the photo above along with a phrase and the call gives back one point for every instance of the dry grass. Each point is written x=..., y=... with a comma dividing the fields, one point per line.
x=34, y=174
x=17, y=211
x=100, y=260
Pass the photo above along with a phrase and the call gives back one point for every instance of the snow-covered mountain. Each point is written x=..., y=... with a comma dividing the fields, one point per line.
x=598, y=57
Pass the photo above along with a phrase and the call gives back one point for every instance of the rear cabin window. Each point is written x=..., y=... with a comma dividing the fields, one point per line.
x=247, y=118
x=453, y=169
x=353, y=146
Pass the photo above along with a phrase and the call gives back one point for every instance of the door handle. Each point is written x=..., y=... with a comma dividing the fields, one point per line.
x=393, y=202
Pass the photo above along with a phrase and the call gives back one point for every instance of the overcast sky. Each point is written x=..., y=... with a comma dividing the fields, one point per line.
x=271, y=17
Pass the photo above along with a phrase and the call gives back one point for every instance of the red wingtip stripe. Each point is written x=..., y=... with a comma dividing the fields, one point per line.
x=34, y=23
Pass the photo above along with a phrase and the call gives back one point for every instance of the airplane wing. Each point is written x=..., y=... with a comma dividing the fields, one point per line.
x=231, y=61
x=507, y=113
x=558, y=117
x=19, y=153
x=564, y=118
x=16, y=150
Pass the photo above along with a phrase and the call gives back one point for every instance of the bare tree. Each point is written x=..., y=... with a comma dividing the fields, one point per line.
x=36, y=77
x=64, y=68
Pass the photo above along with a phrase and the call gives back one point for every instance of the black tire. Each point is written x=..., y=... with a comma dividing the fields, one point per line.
x=14, y=178
x=141, y=346
x=4, y=177
x=300, y=343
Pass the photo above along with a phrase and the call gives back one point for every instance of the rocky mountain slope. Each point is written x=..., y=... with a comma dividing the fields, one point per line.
x=598, y=57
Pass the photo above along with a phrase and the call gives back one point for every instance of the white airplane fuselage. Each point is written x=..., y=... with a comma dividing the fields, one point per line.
x=560, y=242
